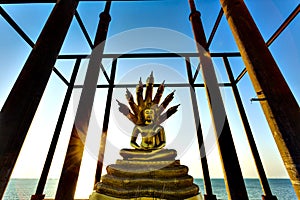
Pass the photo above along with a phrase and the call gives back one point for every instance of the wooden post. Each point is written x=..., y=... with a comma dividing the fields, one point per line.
x=234, y=181
x=259, y=166
x=23, y=100
x=206, y=177
x=278, y=103
x=69, y=175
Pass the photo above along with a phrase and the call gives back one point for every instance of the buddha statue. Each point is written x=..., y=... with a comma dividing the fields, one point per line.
x=147, y=115
x=153, y=135
x=149, y=171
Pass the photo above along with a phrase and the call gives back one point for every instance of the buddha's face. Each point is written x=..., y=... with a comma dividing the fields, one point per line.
x=149, y=114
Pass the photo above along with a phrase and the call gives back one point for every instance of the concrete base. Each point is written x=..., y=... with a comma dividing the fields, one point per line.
x=97, y=196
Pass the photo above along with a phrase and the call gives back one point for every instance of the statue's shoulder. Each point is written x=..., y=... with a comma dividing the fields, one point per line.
x=158, y=127
x=139, y=127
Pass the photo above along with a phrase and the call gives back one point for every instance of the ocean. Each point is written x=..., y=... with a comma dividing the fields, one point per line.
x=22, y=189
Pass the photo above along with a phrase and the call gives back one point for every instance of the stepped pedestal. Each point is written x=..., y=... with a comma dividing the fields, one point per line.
x=146, y=174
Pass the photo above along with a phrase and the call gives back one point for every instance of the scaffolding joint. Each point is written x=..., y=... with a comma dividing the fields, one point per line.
x=258, y=99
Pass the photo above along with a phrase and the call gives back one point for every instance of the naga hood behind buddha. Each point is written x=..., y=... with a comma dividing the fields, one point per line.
x=147, y=115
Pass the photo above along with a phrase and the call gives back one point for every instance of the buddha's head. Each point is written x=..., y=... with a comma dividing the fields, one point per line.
x=149, y=115
x=147, y=110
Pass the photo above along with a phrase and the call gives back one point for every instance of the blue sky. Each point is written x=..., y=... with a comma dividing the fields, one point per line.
x=172, y=16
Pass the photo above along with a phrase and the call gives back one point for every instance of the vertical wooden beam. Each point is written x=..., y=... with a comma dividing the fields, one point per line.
x=259, y=166
x=69, y=175
x=23, y=100
x=106, y=121
x=206, y=177
x=43, y=179
x=278, y=103
x=232, y=172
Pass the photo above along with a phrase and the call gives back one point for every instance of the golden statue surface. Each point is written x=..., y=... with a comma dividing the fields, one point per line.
x=149, y=171
x=147, y=115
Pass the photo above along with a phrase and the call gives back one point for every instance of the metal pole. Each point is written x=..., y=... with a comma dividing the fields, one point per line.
x=278, y=103
x=259, y=166
x=16, y=27
x=42, y=181
x=105, y=122
x=214, y=30
x=232, y=172
x=207, y=184
x=20, y=107
x=69, y=175
x=290, y=18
